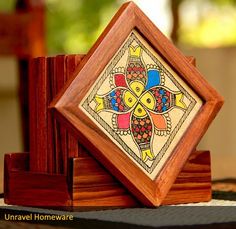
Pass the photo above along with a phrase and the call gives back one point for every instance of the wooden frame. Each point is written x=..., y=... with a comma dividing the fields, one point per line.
x=149, y=192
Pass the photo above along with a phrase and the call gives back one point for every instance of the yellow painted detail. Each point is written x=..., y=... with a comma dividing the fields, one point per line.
x=148, y=100
x=100, y=103
x=147, y=154
x=129, y=99
x=135, y=51
x=179, y=101
x=140, y=111
x=137, y=88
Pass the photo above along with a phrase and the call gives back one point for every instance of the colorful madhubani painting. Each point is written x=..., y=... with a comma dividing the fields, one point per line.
x=141, y=104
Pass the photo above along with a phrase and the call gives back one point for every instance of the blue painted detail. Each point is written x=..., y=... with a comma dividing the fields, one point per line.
x=114, y=104
x=164, y=100
x=161, y=91
x=113, y=101
x=164, y=108
x=153, y=79
x=115, y=108
x=113, y=93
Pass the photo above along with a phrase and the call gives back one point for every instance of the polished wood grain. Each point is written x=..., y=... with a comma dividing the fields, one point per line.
x=61, y=135
x=50, y=142
x=93, y=185
x=72, y=61
x=193, y=184
x=26, y=188
x=90, y=185
x=38, y=117
x=149, y=192
x=33, y=110
x=50, y=119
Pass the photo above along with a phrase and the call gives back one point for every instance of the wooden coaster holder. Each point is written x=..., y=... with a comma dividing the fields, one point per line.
x=59, y=172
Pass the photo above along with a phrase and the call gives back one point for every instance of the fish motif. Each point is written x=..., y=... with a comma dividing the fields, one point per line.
x=136, y=74
x=142, y=131
x=119, y=100
x=160, y=100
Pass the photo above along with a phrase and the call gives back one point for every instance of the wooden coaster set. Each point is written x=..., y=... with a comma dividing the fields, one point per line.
x=117, y=127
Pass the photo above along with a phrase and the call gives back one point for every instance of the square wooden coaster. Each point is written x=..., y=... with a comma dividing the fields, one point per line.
x=138, y=105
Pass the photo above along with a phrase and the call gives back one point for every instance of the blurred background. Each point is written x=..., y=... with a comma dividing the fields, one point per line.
x=205, y=29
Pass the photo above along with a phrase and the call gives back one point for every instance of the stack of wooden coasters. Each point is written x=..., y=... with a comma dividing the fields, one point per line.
x=117, y=127
x=50, y=143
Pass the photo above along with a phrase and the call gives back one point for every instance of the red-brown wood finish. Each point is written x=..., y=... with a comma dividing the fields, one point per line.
x=50, y=143
x=90, y=185
x=93, y=185
x=26, y=188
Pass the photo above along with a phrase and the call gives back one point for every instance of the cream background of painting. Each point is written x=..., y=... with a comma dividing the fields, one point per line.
x=175, y=114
